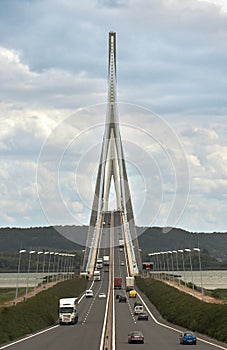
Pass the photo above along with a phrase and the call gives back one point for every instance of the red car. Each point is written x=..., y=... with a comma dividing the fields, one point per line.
x=135, y=337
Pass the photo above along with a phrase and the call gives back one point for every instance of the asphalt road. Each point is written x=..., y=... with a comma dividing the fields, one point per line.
x=86, y=334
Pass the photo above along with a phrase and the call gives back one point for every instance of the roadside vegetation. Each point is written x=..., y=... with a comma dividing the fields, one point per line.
x=37, y=312
x=185, y=310
x=8, y=294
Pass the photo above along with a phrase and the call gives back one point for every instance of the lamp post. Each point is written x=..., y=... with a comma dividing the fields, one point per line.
x=171, y=258
x=48, y=270
x=37, y=270
x=54, y=264
x=183, y=265
x=18, y=274
x=58, y=265
x=164, y=266
x=44, y=256
x=29, y=264
x=167, y=260
x=175, y=252
x=82, y=255
x=190, y=260
x=200, y=269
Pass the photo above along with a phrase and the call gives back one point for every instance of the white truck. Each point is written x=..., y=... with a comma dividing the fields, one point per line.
x=129, y=283
x=99, y=263
x=68, y=311
x=96, y=275
x=121, y=243
x=106, y=260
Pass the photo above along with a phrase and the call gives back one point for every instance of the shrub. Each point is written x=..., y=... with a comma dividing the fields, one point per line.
x=37, y=312
x=185, y=310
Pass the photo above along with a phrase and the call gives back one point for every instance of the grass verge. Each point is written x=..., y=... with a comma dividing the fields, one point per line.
x=38, y=312
x=184, y=310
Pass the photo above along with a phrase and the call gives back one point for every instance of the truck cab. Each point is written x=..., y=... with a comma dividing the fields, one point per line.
x=68, y=311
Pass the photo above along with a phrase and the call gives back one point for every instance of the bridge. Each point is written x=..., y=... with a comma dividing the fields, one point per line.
x=112, y=167
x=104, y=324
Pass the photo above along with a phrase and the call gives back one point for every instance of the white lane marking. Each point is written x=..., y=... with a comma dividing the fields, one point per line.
x=35, y=334
x=174, y=329
x=28, y=337
x=92, y=303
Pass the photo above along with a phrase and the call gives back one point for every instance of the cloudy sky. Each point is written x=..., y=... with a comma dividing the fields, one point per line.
x=171, y=68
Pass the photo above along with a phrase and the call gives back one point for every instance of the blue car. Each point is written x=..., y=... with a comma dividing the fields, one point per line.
x=188, y=338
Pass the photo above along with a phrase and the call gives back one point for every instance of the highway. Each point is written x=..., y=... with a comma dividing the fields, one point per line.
x=87, y=333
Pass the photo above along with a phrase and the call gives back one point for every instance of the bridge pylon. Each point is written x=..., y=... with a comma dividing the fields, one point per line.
x=112, y=167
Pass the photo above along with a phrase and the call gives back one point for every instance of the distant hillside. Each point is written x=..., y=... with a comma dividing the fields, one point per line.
x=13, y=239
x=151, y=239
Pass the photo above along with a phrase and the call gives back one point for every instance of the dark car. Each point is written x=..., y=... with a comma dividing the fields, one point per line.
x=122, y=299
x=188, y=337
x=135, y=337
x=143, y=316
x=138, y=303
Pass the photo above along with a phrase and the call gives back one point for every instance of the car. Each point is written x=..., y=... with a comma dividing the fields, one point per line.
x=122, y=263
x=102, y=295
x=187, y=337
x=121, y=249
x=122, y=299
x=89, y=293
x=138, y=310
x=132, y=293
x=142, y=316
x=135, y=337
x=137, y=303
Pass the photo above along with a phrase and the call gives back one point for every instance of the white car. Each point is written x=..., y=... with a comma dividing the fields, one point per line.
x=122, y=263
x=102, y=296
x=89, y=293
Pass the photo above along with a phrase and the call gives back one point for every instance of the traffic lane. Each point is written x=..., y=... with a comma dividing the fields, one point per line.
x=170, y=333
x=155, y=335
x=84, y=333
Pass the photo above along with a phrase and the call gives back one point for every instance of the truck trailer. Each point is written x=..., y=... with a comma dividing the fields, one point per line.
x=129, y=283
x=117, y=282
x=96, y=275
x=68, y=311
x=106, y=260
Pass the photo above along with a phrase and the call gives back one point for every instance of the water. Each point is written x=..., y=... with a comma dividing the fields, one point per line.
x=210, y=279
x=9, y=280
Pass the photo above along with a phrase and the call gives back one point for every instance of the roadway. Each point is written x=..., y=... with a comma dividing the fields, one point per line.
x=87, y=333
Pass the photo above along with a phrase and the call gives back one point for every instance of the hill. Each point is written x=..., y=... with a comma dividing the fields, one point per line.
x=155, y=239
x=151, y=239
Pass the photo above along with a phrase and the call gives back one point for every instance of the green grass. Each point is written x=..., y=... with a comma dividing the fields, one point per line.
x=7, y=294
x=184, y=310
x=37, y=312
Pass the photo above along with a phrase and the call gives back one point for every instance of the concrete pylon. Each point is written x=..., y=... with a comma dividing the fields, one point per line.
x=111, y=167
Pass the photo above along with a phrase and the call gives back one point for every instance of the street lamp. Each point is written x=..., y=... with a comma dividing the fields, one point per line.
x=175, y=252
x=183, y=265
x=44, y=256
x=29, y=264
x=164, y=266
x=18, y=274
x=190, y=259
x=37, y=270
x=48, y=270
x=171, y=258
x=54, y=272
x=200, y=269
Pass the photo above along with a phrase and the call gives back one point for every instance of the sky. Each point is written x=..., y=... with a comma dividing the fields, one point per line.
x=172, y=103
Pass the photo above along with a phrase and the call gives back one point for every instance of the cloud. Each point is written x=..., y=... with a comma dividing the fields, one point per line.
x=171, y=59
